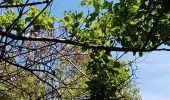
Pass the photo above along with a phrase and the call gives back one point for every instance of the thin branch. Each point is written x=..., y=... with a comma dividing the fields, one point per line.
x=23, y=5
x=71, y=62
x=35, y=17
x=27, y=68
x=48, y=84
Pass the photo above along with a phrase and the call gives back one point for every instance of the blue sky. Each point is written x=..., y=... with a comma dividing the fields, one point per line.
x=153, y=69
x=154, y=76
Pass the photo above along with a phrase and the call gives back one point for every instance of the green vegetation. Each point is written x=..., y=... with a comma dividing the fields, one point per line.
x=74, y=60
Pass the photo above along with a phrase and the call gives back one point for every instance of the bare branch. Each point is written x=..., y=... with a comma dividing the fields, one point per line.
x=24, y=5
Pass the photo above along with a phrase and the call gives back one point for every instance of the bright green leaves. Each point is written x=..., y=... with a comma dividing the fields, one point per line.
x=96, y=4
x=84, y=29
x=128, y=23
x=71, y=20
x=19, y=26
x=12, y=2
x=43, y=22
x=134, y=8
x=85, y=2
x=72, y=23
x=134, y=22
x=8, y=19
x=91, y=29
x=12, y=21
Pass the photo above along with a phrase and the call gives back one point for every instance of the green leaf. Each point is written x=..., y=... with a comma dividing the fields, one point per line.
x=28, y=19
x=85, y=2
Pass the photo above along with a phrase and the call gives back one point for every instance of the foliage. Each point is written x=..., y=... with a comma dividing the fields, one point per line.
x=107, y=25
x=43, y=22
x=10, y=21
x=128, y=25
x=106, y=78
x=110, y=78
x=17, y=84
x=75, y=86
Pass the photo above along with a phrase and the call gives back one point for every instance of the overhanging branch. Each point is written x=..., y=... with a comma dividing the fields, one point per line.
x=23, y=5
x=86, y=45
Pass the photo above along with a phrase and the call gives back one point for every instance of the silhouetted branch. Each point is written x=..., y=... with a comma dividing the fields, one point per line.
x=88, y=46
x=27, y=4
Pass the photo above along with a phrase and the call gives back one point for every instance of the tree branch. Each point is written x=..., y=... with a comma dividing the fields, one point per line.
x=152, y=29
x=23, y=5
x=88, y=46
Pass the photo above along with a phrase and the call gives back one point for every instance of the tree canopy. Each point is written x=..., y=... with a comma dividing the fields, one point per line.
x=73, y=59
